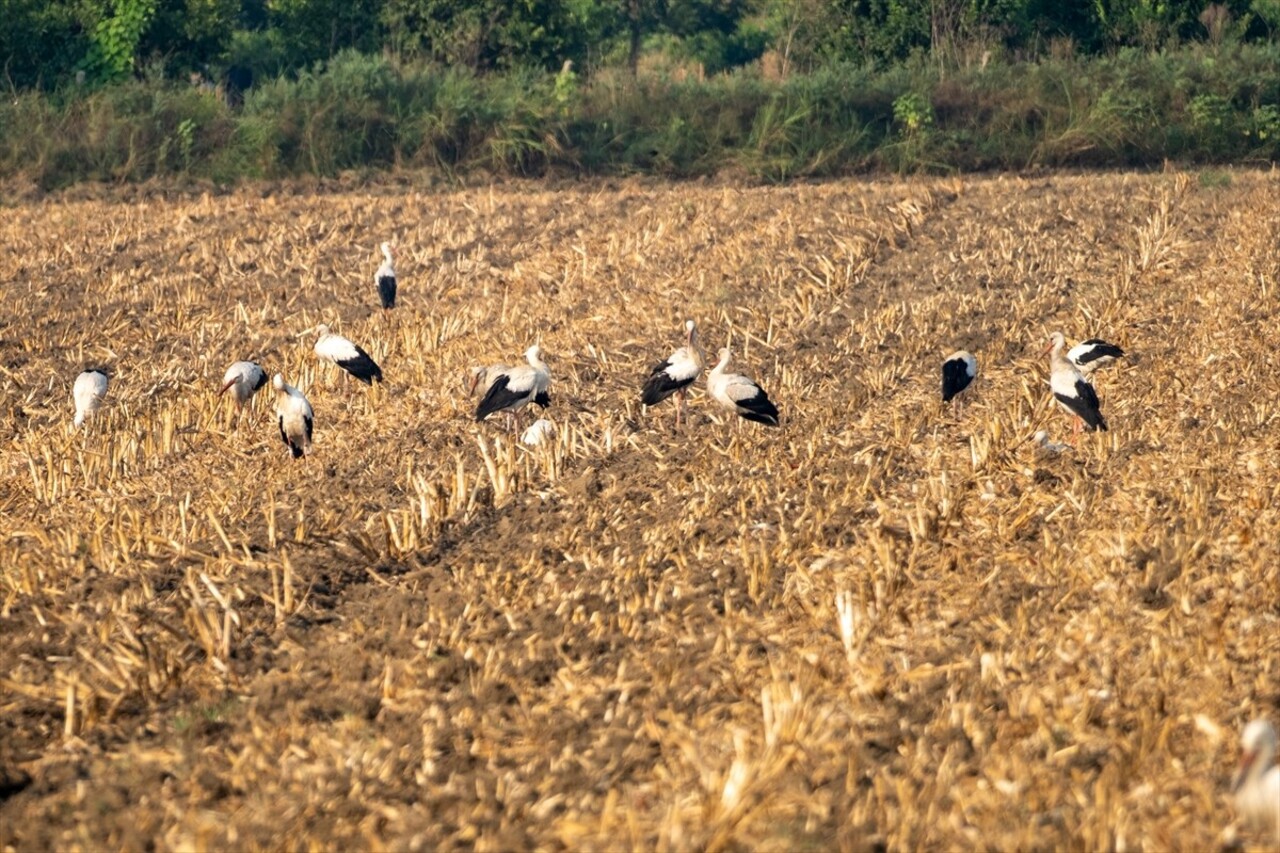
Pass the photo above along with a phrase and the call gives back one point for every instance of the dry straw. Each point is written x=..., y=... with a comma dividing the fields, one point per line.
x=883, y=624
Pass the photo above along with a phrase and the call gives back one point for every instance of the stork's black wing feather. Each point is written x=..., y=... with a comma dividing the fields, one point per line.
x=362, y=367
x=955, y=378
x=660, y=385
x=387, y=290
x=499, y=397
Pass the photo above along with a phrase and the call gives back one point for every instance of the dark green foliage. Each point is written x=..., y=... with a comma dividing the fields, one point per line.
x=360, y=111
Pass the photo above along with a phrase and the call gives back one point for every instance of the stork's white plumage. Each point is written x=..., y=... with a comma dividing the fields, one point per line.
x=1089, y=355
x=89, y=389
x=348, y=356
x=739, y=394
x=243, y=379
x=958, y=372
x=385, y=277
x=517, y=387
x=1072, y=391
x=295, y=416
x=539, y=432
x=676, y=374
x=479, y=379
x=1256, y=784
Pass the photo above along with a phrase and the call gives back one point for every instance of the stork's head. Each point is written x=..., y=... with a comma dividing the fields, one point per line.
x=533, y=354
x=389, y=251
x=277, y=382
x=1056, y=341
x=1257, y=748
x=322, y=330
x=471, y=379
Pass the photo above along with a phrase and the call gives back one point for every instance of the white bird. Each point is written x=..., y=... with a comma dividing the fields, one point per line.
x=296, y=418
x=1072, y=391
x=1042, y=439
x=1256, y=784
x=348, y=356
x=540, y=431
x=739, y=394
x=88, y=391
x=676, y=374
x=243, y=379
x=958, y=372
x=517, y=387
x=1089, y=355
x=385, y=277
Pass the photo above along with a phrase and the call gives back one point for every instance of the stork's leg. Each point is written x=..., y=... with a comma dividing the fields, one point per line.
x=679, y=407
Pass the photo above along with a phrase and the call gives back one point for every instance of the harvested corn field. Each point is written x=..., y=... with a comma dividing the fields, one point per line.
x=887, y=622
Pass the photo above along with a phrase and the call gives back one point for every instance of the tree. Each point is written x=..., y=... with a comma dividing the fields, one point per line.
x=487, y=35
x=40, y=41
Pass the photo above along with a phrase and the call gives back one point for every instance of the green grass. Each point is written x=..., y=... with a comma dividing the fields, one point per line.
x=364, y=112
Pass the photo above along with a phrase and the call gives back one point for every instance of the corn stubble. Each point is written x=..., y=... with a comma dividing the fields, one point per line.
x=884, y=623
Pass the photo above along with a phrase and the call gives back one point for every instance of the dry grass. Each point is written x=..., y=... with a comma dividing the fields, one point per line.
x=880, y=625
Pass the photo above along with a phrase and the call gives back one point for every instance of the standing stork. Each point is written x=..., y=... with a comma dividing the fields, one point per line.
x=243, y=379
x=385, y=277
x=1089, y=355
x=296, y=418
x=516, y=387
x=676, y=374
x=958, y=372
x=89, y=389
x=739, y=394
x=1072, y=391
x=348, y=356
x=1256, y=784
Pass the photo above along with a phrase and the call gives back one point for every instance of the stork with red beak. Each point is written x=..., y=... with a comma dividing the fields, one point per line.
x=295, y=417
x=243, y=379
x=385, y=277
x=1072, y=391
x=1256, y=784
x=676, y=374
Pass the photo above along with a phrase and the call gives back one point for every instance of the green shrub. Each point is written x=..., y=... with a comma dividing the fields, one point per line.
x=360, y=111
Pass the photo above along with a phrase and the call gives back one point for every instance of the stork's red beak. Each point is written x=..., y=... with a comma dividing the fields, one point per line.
x=1242, y=772
x=225, y=387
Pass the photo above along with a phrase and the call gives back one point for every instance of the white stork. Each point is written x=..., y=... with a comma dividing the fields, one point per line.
x=958, y=372
x=1089, y=355
x=385, y=277
x=517, y=387
x=1256, y=784
x=88, y=391
x=739, y=394
x=676, y=374
x=297, y=420
x=1072, y=391
x=348, y=356
x=243, y=379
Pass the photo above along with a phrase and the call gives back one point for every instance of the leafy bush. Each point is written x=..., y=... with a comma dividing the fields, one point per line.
x=359, y=111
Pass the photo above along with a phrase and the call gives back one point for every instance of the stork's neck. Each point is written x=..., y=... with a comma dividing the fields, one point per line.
x=1056, y=358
